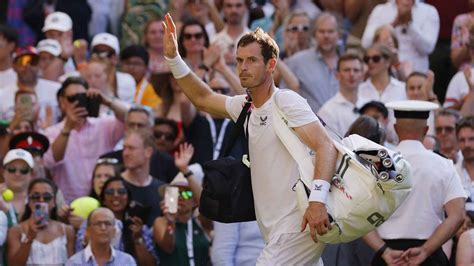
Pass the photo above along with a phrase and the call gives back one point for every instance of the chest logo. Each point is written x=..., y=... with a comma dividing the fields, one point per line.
x=263, y=121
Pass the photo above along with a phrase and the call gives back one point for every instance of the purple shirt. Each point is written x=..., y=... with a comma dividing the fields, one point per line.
x=73, y=174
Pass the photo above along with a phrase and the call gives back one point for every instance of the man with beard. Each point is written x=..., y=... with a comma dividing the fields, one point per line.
x=316, y=68
x=465, y=167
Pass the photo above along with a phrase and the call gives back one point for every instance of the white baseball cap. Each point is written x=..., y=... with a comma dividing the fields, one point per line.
x=49, y=46
x=107, y=39
x=59, y=21
x=19, y=154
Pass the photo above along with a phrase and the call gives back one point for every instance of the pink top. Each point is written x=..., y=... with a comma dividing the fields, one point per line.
x=73, y=174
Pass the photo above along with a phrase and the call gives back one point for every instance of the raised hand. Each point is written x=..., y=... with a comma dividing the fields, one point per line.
x=74, y=115
x=170, y=43
x=183, y=156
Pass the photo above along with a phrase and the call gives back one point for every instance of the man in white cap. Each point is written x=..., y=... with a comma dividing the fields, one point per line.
x=106, y=46
x=50, y=64
x=58, y=26
x=416, y=231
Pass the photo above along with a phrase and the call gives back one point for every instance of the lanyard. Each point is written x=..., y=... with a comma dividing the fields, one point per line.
x=189, y=242
x=217, y=140
x=11, y=211
x=141, y=91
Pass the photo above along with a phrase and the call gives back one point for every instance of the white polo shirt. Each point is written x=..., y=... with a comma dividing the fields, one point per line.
x=466, y=180
x=435, y=183
x=457, y=89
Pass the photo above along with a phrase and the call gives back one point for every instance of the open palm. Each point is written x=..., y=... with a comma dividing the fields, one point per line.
x=170, y=44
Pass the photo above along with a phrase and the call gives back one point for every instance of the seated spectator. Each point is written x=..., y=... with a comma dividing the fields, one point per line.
x=8, y=39
x=49, y=52
x=165, y=132
x=385, y=34
x=36, y=144
x=416, y=27
x=40, y=238
x=137, y=153
x=58, y=26
x=460, y=38
x=134, y=237
x=134, y=61
x=192, y=42
x=106, y=46
x=445, y=129
x=100, y=232
x=79, y=140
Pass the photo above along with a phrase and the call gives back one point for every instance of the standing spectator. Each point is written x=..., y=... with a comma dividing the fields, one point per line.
x=346, y=101
x=40, y=238
x=106, y=46
x=207, y=14
x=101, y=231
x=49, y=58
x=137, y=152
x=461, y=34
x=14, y=18
x=192, y=42
x=296, y=33
x=134, y=60
x=8, y=40
x=465, y=167
x=78, y=140
x=316, y=68
x=416, y=25
x=445, y=128
x=153, y=42
x=165, y=132
x=437, y=190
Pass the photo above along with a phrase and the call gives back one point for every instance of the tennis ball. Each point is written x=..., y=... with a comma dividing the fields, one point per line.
x=83, y=206
x=7, y=195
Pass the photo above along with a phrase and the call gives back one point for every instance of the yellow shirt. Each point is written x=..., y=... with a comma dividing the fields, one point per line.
x=145, y=94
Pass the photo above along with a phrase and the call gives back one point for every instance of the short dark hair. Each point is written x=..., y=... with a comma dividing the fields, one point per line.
x=71, y=81
x=171, y=123
x=267, y=44
x=349, y=57
x=448, y=112
x=369, y=128
x=466, y=122
x=54, y=212
x=377, y=105
x=417, y=74
x=135, y=51
x=9, y=34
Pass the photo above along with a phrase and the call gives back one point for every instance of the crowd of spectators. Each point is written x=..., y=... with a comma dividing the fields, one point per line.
x=89, y=108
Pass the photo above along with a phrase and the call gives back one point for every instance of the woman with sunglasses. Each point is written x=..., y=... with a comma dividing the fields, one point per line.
x=134, y=237
x=40, y=238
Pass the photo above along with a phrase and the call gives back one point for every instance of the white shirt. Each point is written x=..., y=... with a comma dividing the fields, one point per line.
x=45, y=91
x=8, y=78
x=457, y=89
x=416, y=41
x=125, y=86
x=466, y=180
x=435, y=183
x=273, y=169
x=339, y=113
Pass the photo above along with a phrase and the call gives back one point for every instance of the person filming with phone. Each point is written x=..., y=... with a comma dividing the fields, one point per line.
x=40, y=238
x=79, y=139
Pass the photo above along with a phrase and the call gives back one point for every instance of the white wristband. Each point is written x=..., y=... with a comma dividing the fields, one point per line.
x=319, y=190
x=178, y=67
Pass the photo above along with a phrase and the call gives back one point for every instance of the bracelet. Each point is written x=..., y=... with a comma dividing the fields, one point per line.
x=139, y=241
x=178, y=67
x=204, y=67
x=188, y=174
x=319, y=190
x=65, y=132
x=381, y=250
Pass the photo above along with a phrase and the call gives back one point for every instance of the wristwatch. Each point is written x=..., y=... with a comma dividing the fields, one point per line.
x=188, y=174
x=139, y=241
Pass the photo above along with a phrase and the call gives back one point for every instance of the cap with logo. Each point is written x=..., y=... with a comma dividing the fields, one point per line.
x=57, y=21
x=19, y=154
x=106, y=39
x=27, y=50
x=412, y=109
x=30, y=141
x=50, y=46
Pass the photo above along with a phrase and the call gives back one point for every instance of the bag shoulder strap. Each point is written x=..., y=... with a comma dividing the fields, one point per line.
x=238, y=129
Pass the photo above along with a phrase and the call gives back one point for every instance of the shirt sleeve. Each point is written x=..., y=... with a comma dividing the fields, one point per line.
x=457, y=89
x=226, y=237
x=424, y=30
x=113, y=129
x=51, y=133
x=454, y=188
x=295, y=108
x=234, y=106
x=3, y=228
x=373, y=23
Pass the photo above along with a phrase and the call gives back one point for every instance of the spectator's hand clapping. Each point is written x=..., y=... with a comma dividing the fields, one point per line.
x=404, y=15
x=170, y=44
x=212, y=55
x=183, y=156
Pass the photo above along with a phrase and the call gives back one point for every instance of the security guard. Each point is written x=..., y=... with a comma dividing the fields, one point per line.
x=416, y=231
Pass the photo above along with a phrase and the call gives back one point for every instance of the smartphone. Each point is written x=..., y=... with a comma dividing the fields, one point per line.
x=171, y=199
x=41, y=212
x=136, y=209
x=25, y=103
x=93, y=106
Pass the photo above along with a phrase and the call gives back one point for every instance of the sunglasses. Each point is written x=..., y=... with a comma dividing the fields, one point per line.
x=103, y=54
x=448, y=130
x=47, y=197
x=298, y=27
x=22, y=171
x=186, y=195
x=189, y=36
x=166, y=136
x=107, y=161
x=26, y=60
x=112, y=191
x=221, y=90
x=375, y=58
x=75, y=97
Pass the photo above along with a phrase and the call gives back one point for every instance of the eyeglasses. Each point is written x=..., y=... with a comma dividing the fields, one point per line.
x=165, y=135
x=221, y=90
x=189, y=36
x=27, y=60
x=447, y=130
x=186, y=195
x=375, y=58
x=106, y=224
x=297, y=27
x=47, y=197
x=107, y=161
x=112, y=191
x=23, y=171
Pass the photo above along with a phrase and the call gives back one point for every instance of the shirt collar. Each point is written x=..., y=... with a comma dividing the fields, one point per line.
x=88, y=253
x=411, y=144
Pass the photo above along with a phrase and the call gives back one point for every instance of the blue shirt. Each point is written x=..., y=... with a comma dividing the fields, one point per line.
x=85, y=257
